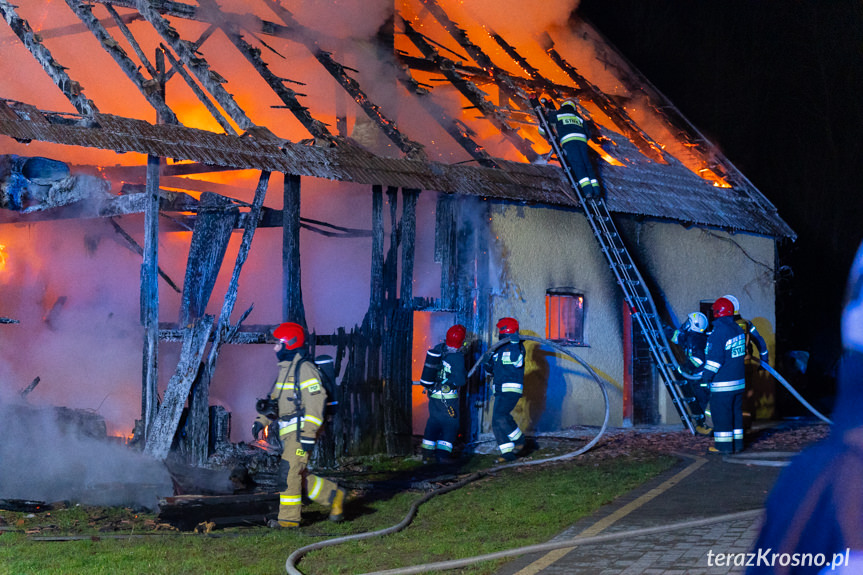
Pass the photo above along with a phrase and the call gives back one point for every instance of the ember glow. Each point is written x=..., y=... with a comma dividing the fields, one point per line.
x=2, y=257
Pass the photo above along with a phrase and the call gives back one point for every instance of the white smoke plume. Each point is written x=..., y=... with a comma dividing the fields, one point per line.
x=46, y=458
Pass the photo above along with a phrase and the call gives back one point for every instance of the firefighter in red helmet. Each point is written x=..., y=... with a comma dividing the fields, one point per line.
x=301, y=398
x=573, y=133
x=724, y=372
x=506, y=366
x=443, y=374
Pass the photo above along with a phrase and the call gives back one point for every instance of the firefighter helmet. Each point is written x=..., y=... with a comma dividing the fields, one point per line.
x=697, y=321
x=291, y=334
x=734, y=302
x=852, y=311
x=723, y=308
x=507, y=325
x=570, y=103
x=455, y=336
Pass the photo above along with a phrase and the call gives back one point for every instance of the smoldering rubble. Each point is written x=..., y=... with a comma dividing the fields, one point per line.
x=46, y=455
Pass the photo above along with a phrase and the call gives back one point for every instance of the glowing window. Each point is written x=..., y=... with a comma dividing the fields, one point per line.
x=564, y=316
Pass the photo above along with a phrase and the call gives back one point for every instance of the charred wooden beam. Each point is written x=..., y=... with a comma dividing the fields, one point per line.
x=149, y=88
x=541, y=84
x=409, y=147
x=224, y=326
x=454, y=127
x=618, y=115
x=70, y=88
x=121, y=23
x=478, y=55
x=480, y=77
x=445, y=250
x=150, y=299
x=140, y=251
x=178, y=67
x=469, y=90
x=316, y=128
x=185, y=512
x=514, y=180
x=217, y=218
x=198, y=65
x=164, y=427
x=292, y=287
x=71, y=29
x=408, y=237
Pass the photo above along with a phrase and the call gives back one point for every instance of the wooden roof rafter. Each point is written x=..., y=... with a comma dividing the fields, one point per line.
x=409, y=147
x=468, y=89
x=316, y=128
x=186, y=53
x=645, y=144
x=70, y=88
x=147, y=87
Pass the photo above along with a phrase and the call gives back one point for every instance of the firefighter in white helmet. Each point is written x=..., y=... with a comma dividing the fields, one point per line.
x=752, y=335
x=301, y=400
x=691, y=336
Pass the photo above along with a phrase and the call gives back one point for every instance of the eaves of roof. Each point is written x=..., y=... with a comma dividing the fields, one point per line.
x=642, y=187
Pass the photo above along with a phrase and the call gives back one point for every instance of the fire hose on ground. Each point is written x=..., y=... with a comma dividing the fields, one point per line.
x=751, y=459
x=294, y=558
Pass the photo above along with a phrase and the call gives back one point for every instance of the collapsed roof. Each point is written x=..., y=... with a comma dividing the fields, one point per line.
x=436, y=96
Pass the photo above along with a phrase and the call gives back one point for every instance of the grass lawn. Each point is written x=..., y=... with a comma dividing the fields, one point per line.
x=510, y=509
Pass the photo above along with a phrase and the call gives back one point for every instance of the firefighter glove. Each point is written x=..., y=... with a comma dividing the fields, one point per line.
x=257, y=427
x=307, y=443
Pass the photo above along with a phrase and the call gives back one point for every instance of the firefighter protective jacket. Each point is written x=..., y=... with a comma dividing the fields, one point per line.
x=443, y=372
x=725, y=368
x=693, y=344
x=507, y=367
x=298, y=378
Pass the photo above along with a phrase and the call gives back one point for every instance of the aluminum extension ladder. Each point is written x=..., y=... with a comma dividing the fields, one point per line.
x=635, y=290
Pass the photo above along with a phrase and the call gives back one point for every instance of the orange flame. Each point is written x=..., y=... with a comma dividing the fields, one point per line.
x=2, y=257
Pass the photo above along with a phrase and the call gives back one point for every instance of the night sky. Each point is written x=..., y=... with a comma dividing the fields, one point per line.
x=778, y=86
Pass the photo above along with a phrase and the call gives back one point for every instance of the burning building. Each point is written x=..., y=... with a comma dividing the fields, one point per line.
x=179, y=177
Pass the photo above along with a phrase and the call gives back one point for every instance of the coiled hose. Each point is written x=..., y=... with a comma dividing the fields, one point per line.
x=293, y=558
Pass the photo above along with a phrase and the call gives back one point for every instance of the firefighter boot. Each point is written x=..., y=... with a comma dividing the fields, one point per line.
x=337, y=512
x=506, y=458
x=274, y=524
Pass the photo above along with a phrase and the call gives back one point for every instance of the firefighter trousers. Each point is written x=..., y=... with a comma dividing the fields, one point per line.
x=726, y=408
x=295, y=478
x=506, y=430
x=582, y=168
x=442, y=426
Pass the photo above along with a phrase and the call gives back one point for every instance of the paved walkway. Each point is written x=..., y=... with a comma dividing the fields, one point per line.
x=701, y=486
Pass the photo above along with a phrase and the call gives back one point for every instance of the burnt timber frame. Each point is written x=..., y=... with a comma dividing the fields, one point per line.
x=377, y=350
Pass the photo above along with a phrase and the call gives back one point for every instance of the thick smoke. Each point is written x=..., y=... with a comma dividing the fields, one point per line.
x=44, y=457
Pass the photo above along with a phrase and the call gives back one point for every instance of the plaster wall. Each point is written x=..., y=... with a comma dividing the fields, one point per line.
x=542, y=248
x=694, y=265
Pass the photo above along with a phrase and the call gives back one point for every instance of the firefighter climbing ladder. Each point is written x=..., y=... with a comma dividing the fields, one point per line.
x=635, y=290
